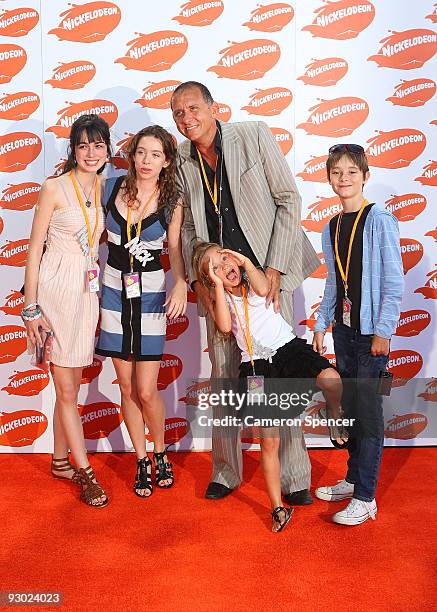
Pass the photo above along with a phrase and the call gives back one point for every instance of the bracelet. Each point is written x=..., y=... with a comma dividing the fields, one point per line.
x=32, y=315
x=31, y=306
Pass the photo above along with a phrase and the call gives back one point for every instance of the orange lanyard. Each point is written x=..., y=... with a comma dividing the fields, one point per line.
x=212, y=194
x=128, y=228
x=91, y=237
x=345, y=273
x=246, y=333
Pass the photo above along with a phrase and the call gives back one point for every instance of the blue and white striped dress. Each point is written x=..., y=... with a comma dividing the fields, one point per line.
x=135, y=327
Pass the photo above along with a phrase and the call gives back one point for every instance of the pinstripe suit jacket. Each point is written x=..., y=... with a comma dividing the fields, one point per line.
x=266, y=201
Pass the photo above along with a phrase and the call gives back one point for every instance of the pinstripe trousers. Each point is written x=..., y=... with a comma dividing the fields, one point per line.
x=227, y=462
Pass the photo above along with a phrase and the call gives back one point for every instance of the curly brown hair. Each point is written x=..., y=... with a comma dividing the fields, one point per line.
x=168, y=191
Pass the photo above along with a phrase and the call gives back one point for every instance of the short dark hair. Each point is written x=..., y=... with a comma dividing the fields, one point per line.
x=206, y=94
x=96, y=130
x=357, y=158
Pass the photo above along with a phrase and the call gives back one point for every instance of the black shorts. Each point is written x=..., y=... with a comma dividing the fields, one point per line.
x=296, y=359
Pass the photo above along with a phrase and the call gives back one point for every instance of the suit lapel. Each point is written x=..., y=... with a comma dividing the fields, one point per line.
x=232, y=156
x=196, y=196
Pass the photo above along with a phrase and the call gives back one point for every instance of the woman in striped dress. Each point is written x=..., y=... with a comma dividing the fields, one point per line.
x=142, y=210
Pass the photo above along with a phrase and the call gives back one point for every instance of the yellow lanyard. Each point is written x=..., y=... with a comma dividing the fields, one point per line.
x=128, y=228
x=212, y=194
x=246, y=333
x=91, y=237
x=344, y=274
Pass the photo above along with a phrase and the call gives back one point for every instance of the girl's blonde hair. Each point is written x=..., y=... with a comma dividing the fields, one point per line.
x=199, y=252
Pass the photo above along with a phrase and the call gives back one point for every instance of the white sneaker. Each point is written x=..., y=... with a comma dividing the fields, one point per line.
x=356, y=512
x=342, y=490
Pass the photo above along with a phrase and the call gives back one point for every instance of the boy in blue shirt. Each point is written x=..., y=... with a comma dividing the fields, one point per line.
x=362, y=297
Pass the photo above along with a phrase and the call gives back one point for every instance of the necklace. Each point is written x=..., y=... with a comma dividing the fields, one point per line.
x=87, y=197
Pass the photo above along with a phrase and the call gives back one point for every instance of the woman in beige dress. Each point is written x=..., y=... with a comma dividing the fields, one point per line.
x=60, y=294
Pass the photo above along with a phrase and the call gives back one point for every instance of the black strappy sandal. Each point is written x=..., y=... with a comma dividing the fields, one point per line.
x=143, y=477
x=163, y=470
x=278, y=524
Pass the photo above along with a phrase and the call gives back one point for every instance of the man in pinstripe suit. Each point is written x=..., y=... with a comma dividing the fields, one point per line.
x=239, y=191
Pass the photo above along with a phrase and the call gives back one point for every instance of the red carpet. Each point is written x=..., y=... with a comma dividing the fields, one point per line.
x=178, y=551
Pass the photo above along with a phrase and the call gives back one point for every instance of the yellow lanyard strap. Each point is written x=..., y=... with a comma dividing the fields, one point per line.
x=345, y=274
x=91, y=237
x=246, y=334
x=212, y=194
x=128, y=228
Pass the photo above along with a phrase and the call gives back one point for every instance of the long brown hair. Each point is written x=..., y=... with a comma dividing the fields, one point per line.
x=168, y=192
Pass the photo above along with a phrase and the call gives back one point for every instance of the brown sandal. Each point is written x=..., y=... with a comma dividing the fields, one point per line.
x=91, y=490
x=64, y=465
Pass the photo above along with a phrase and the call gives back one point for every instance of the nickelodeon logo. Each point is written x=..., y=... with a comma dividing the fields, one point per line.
x=311, y=321
x=199, y=13
x=412, y=322
x=13, y=58
x=120, y=158
x=404, y=364
x=158, y=95
x=88, y=23
x=429, y=291
x=247, y=60
x=325, y=72
x=335, y=118
x=429, y=175
x=430, y=393
x=73, y=75
x=13, y=342
x=27, y=383
x=106, y=109
x=223, y=111
x=176, y=327
x=19, y=106
x=411, y=253
x=283, y=138
x=268, y=102
x=320, y=213
x=322, y=270
x=170, y=369
x=14, y=253
x=406, y=427
x=99, y=419
x=270, y=18
x=341, y=20
x=18, y=150
x=413, y=93
x=315, y=170
x=20, y=197
x=90, y=372
x=406, y=207
x=18, y=22
x=395, y=149
x=154, y=52
x=22, y=427
x=406, y=50
x=193, y=391
x=13, y=304
x=175, y=428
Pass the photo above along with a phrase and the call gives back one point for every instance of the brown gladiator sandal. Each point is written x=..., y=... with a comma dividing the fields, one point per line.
x=91, y=490
x=64, y=465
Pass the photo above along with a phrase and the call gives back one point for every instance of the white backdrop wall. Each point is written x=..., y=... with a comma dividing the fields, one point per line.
x=317, y=72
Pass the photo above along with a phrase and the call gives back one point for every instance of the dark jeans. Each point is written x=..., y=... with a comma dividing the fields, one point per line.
x=359, y=370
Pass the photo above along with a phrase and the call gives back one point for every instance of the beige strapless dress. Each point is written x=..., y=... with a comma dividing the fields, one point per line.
x=71, y=310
